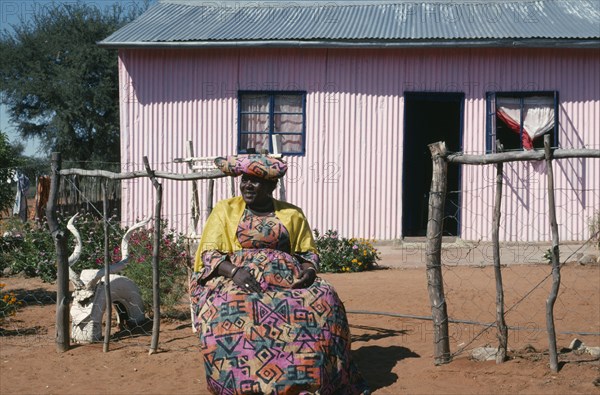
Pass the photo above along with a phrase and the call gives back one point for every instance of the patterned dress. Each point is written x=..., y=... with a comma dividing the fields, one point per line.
x=280, y=341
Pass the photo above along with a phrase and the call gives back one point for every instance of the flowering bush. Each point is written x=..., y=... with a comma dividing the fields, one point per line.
x=30, y=250
x=91, y=230
x=8, y=304
x=173, y=262
x=340, y=254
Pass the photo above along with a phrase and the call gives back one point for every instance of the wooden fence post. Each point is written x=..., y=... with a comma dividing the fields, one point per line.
x=155, y=259
x=107, y=295
x=63, y=339
x=435, y=226
x=552, y=350
x=195, y=198
x=502, y=330
x=210, y=196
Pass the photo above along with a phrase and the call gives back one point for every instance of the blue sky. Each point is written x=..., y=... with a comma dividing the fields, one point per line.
x=14, y=11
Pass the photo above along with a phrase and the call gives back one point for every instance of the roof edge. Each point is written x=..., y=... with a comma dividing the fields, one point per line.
x=505, y=43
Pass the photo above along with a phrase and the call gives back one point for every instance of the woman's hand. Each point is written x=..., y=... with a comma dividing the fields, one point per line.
x=240, y=276
x=246, y=281
x=307, y=276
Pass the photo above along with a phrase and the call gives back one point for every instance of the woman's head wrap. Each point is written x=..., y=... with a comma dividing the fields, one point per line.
x=261, y=166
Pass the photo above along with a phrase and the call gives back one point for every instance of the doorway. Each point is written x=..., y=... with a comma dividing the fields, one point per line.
x=429, y=117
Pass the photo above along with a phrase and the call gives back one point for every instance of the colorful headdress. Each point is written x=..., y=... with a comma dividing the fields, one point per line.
x=261, y=166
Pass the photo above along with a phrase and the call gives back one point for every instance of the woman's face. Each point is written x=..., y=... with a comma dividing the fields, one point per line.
x=256, y=192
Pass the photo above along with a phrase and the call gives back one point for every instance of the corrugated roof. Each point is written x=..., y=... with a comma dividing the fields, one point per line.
x=325, y=23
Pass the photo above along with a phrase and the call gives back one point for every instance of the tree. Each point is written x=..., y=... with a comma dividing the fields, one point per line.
x=8, y=162
x=60, y=86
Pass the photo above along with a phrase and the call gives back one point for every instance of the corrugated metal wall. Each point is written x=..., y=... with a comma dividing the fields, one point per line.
x=351, y=176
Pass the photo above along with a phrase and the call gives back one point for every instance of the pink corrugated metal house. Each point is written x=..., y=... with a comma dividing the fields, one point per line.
x=354, y=91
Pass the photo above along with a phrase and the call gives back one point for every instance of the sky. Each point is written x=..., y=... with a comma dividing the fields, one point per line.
x=14, y=11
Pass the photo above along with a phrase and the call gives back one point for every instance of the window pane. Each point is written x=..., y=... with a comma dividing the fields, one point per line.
x=288, y=123
x=539, y=101
x=291, y=143
x=513, y=102
x=254, y=123
x=254, y=103
x=539, y=142
x=256, y=141
x=509, y=139
x=533, y=116
x=288, y=103
x=264, y=115
x=538, y=115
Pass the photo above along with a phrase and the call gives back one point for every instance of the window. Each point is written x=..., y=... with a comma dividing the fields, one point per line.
x=520, y=120
x=273, y=121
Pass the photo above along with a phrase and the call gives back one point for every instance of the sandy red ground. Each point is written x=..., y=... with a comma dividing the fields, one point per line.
x=395, y=354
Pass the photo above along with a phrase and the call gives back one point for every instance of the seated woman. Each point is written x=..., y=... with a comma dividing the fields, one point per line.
x=267, y=323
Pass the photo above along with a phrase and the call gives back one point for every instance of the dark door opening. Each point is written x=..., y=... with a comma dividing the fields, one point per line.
x=429, y=117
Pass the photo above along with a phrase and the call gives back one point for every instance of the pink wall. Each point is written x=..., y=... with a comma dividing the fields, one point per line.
x=351, y=176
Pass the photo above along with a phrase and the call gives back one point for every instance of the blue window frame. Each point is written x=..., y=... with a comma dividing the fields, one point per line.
x=274, y=121
x=509, y=126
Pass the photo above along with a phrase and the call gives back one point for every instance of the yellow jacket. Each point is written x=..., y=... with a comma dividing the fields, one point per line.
x=221, y=227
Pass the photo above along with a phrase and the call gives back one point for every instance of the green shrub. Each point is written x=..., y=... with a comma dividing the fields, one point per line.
x=30, y=250
x=91, y=231
x=340, y=254
x=173, y=265
x=548, y=256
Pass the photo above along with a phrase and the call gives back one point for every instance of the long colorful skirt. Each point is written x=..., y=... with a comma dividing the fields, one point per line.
x=280, y=341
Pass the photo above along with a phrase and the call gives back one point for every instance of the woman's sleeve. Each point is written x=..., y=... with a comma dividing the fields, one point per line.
x=211, y=260
x=301, y=234
x=310, y=257
x=305, y=248
x=214, y=237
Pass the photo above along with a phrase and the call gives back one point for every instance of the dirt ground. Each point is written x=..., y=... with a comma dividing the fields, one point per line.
x=392, y=337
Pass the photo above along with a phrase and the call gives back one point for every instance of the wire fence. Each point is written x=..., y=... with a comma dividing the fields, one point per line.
x=468, y=283
x=469, y=286
x=493, y=208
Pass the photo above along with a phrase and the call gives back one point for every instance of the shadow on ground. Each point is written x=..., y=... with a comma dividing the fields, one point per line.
x=32, y=331
x=35, y=297
x=376, y=363
x=374, y=333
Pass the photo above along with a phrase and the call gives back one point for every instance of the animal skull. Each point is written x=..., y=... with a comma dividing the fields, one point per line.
x=89, y=299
